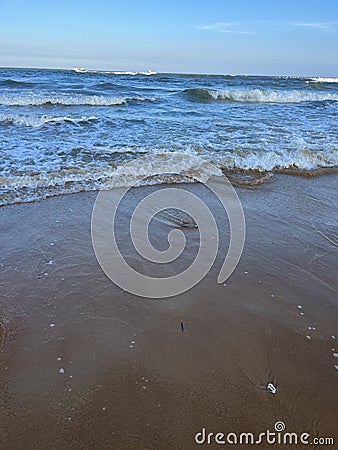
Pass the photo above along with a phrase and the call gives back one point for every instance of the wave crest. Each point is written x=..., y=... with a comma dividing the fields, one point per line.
x=259, y=95
x=79, y=100
x=112, y=72
x=38, y=121
x=16, y=83
x=252, y=169
x=324, y=80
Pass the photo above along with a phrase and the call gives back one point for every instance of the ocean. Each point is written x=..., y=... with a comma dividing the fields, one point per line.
x=66, y=131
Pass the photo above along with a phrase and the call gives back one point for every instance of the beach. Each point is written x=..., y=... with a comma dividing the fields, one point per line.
x=168, y=225
x=87, y=365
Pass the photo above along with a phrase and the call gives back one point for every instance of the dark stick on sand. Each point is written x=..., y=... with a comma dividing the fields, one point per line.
x=182, y=326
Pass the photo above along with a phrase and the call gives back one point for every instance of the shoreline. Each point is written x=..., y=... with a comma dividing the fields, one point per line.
x=132, y=378
x=246, y=178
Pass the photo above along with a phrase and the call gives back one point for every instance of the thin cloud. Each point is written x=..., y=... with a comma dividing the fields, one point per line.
x=224, y=27
x=218, y=26
x=317, y=25
x=237, y=27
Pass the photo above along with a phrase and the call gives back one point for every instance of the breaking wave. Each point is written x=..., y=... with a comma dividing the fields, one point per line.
x=38, y=121
x=279, y=161
x=79, y=100
x=258, y=95
x=324, y=80
x=111, y=72
x=252, y=169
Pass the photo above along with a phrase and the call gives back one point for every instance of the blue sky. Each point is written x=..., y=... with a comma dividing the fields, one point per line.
x=298, y=37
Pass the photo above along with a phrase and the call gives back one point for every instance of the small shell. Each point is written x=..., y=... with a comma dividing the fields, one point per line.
x=271, y=388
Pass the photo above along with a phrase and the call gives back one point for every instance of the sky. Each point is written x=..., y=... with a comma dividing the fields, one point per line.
x=290, y=37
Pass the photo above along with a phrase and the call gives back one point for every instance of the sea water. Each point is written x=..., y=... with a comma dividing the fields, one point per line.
x=69, y=130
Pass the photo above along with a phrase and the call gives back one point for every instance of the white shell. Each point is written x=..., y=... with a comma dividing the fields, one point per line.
x=271, y=388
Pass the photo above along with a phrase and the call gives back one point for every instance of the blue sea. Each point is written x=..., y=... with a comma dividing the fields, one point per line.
x=69, y=130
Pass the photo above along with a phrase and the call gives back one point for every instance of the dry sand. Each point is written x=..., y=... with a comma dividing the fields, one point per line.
x=132, y=378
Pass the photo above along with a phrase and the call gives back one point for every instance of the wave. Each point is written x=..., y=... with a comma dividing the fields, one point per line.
x=37, y=186
x=252, y=169
x=279, y=161
x=108, y=85
x=149, y=72
x=38, y=121
x=79, y=70
x=111, y=72
x=258, y=95
x=324, y=80
x=80, y=100
x=16, y=83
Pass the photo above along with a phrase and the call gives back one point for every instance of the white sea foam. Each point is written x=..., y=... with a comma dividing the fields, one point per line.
x=26, y=188
x=279, y=160
x=38, y=121
x=149, y=72
x=50, y=181
x=271, y=96
x=113, y=72
x=79, y=70
x=262, y=95
x=75, y=100
x=324, y=80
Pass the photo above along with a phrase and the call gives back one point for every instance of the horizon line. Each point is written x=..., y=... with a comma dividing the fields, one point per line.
x=171, y=73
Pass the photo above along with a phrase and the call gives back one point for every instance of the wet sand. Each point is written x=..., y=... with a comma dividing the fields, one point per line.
x=85, y=365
